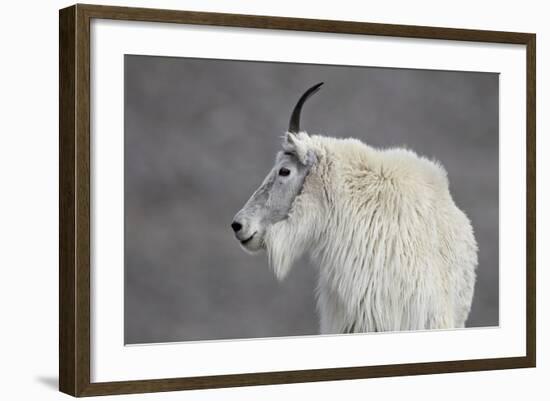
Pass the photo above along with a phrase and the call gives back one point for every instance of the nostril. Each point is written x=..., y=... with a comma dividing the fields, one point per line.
x=236, y=226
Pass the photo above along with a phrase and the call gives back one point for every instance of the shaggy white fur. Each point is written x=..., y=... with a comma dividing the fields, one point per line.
x=393, y=249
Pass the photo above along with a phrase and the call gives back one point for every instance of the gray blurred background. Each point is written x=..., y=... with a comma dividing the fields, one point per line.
x=200, y=135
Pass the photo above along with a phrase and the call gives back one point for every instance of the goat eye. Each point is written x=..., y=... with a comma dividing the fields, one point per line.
x=284, y=172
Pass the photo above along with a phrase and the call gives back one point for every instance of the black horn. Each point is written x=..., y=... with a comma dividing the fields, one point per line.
x=294, y=125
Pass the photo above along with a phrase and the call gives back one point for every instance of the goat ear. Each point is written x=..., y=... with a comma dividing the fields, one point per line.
x=297, y=144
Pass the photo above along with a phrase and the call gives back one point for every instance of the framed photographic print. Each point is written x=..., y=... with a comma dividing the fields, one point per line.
x=251, y=200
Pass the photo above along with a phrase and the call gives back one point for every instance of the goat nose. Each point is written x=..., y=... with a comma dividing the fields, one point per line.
x=236, y=226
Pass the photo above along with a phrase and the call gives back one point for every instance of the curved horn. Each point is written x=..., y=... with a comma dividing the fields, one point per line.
x=294, y=125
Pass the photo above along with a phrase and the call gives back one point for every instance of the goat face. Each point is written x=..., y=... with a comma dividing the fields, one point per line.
x=273, y=200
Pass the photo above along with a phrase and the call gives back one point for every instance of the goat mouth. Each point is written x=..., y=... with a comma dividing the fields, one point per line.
x=246, y=241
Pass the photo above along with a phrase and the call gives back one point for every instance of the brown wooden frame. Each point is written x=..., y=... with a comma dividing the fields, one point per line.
x=74, y=199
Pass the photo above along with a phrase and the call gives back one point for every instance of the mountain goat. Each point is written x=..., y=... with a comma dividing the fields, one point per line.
x=394, y=251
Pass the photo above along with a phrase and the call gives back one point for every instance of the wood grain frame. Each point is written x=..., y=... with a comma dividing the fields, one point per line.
x=74, y=199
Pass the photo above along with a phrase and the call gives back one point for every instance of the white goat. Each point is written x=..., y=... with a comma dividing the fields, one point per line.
x=394, y=251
